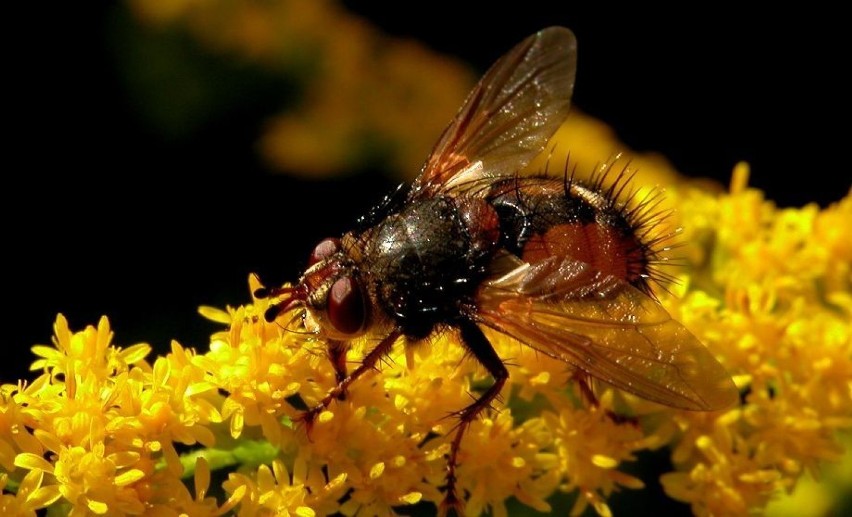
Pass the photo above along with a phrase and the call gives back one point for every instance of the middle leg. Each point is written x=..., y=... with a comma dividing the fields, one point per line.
x=478, y=345
x=368, y=363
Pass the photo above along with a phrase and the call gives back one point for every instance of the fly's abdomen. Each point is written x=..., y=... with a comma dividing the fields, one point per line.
x=546, y=217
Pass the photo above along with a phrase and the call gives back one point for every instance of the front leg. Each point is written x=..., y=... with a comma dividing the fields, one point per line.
x=475, y=341
x=336, y=351
x=369, y=363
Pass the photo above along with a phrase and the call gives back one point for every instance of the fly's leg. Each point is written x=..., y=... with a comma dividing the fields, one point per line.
x=369, y=363
x=476, y=342
x=336, y=349
x=584, y=383
x=336, y=352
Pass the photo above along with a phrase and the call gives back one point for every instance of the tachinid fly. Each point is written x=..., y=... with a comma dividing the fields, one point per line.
x=558, y=265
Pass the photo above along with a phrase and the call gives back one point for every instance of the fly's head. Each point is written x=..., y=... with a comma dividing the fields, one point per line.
x=330, y=291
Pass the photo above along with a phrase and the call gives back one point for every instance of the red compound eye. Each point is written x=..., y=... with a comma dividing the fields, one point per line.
x=347, y=311
x=323, y=250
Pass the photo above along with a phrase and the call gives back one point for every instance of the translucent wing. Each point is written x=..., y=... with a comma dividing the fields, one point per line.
x=508, y=117
x=608, y=329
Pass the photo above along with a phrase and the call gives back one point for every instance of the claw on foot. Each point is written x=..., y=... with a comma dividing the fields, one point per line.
x=309, y=418
x=451, y=506
x=622, y=419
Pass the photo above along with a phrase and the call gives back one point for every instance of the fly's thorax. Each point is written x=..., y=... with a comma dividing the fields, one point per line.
x=423, y=262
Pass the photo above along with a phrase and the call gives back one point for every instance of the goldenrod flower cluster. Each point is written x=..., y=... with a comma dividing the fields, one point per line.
x=108, y=430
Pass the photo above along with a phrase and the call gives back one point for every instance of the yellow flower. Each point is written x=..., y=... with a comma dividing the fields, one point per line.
x=775, y=323
x=103, y=420
x=274, y=491
x=17, y=417
x=589, y=446
x=500, y=460
x=88, y=351
x=92, y=479
x=30, y=495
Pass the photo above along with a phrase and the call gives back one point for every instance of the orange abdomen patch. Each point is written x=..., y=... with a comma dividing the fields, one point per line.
x=605, y=248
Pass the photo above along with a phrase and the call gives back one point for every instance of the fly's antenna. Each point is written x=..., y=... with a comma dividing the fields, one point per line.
x=293, y=296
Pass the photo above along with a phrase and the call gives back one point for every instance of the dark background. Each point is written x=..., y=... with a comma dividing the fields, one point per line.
x=104, y=216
